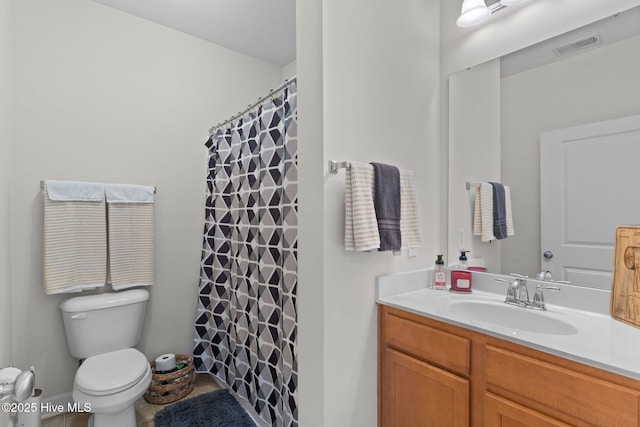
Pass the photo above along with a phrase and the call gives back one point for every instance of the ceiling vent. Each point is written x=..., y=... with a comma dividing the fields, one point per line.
x=577, y=46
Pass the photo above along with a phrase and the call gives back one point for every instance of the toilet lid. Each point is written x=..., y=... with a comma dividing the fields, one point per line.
x=111, y=372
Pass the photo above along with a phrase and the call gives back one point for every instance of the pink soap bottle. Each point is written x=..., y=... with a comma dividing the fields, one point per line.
x=461, y=278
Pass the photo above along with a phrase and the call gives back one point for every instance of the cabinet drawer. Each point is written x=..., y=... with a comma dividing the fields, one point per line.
x=582, y=397
x=440, y=348
x=499, y=412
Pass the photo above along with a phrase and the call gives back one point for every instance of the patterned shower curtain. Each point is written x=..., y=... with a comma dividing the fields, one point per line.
x=245, y=330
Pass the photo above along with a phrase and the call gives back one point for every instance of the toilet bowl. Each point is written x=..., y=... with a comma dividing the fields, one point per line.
x=101, y=331
x=109, y=384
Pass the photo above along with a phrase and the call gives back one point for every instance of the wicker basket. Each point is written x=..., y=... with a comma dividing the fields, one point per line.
x=172, y=386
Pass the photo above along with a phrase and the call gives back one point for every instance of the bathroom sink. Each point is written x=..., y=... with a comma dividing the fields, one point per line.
x=508, y=316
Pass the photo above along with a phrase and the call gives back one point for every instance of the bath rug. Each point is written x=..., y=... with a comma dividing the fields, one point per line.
x=214, y=409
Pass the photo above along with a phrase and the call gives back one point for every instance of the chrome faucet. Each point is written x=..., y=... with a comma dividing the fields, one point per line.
x=518, y=294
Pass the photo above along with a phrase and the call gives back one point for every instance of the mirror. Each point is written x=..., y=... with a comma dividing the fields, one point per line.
x=585, y=76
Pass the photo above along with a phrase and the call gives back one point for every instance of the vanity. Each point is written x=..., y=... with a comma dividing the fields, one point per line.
x=446, y=359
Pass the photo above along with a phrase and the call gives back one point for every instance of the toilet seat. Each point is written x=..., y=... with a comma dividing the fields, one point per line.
x=112, y=372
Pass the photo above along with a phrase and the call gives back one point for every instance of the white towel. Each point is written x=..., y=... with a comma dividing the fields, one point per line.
x=483, y=212
x=131, y=235
x=124, y=193
x=507, y=208
x=409, y=217
x=361, y=226
x=75, y=191
x=74, y=251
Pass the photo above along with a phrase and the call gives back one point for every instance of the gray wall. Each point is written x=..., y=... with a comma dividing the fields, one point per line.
x=368, y=91
x=104, y=96
x=6, y=138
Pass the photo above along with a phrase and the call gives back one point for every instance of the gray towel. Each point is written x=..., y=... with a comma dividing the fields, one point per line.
x=499, y=211
x=386, y=201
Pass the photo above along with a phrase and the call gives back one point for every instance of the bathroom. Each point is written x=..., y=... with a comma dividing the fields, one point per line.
x=136, y=106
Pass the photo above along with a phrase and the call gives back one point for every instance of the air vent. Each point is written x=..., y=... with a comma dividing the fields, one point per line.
x=576, y=46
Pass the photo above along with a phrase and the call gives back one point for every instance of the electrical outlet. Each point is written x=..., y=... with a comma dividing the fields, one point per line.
x=461, y=238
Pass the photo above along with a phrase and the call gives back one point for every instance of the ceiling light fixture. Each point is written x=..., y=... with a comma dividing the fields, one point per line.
x=476, y=11
x=473, y=12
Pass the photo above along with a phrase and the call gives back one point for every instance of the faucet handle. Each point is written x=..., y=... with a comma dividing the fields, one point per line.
x=538, y=297
x=545, y=275
x=513, y=289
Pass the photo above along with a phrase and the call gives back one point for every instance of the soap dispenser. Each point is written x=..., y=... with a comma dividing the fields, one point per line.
x=439, y=275
x=461, y=278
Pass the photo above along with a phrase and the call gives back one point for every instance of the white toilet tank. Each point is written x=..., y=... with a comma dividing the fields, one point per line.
x=96, y=324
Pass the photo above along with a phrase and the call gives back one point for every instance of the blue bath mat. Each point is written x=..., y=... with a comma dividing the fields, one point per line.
x=215, y=409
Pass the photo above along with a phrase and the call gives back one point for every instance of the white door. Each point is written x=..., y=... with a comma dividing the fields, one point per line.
x=589, y=184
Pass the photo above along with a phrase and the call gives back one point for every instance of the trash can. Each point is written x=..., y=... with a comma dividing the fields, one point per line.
x=31, y=416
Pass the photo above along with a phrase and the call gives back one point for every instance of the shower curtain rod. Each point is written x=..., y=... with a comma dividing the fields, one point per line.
x=272, y=92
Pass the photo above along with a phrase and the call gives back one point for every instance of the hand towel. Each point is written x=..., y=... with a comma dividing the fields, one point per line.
x=130, y=211
x=507, y=205
x=499, y=211
x=409, y=216
x=386, y=200
x=360, y=225
x=483, y=217
x=74, y=250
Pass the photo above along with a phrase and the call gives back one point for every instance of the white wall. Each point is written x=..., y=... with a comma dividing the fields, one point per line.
x=509, y=30
x=474, y=133
x=381, y=103
x=516, y=27
x=6, y=138
x=289, y=70
x=597, y=85
x=104, y=96
x=310, y=295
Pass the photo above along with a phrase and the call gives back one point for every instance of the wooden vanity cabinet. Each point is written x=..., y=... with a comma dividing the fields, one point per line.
x=434, y=374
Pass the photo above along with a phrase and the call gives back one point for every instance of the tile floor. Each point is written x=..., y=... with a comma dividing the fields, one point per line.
x=145, y=411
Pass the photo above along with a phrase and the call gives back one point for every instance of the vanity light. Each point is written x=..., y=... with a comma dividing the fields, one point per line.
x=473, y=12
x=476, y=11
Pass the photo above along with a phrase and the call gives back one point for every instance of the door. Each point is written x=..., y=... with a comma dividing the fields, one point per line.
x=417, y=394
x=589, y=184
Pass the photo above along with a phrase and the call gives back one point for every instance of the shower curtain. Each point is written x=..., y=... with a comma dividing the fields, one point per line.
x=245, y=329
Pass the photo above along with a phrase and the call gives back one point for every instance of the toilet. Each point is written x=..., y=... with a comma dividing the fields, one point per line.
x=101, y=331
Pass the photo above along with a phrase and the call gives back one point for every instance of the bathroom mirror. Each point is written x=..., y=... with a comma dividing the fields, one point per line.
x=498, y=111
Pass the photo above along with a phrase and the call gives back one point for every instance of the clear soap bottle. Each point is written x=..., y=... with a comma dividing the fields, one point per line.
x=439, y=275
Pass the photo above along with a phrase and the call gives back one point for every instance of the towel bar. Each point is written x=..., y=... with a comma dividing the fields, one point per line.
x=42, y=187
x=334, y=166
x=468, y=185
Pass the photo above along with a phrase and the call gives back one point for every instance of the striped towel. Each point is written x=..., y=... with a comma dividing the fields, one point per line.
x=74, y=252
x=483, y=212
x=130, y=210
x=409, y=217
x=361, y=227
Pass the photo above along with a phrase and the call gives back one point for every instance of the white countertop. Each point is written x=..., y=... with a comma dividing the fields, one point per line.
x=600, y=341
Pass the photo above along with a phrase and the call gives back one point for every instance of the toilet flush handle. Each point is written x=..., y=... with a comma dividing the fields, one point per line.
x=79, y=316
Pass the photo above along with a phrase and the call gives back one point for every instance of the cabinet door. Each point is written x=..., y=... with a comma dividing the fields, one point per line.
x=500, y=412
x=417, y=394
